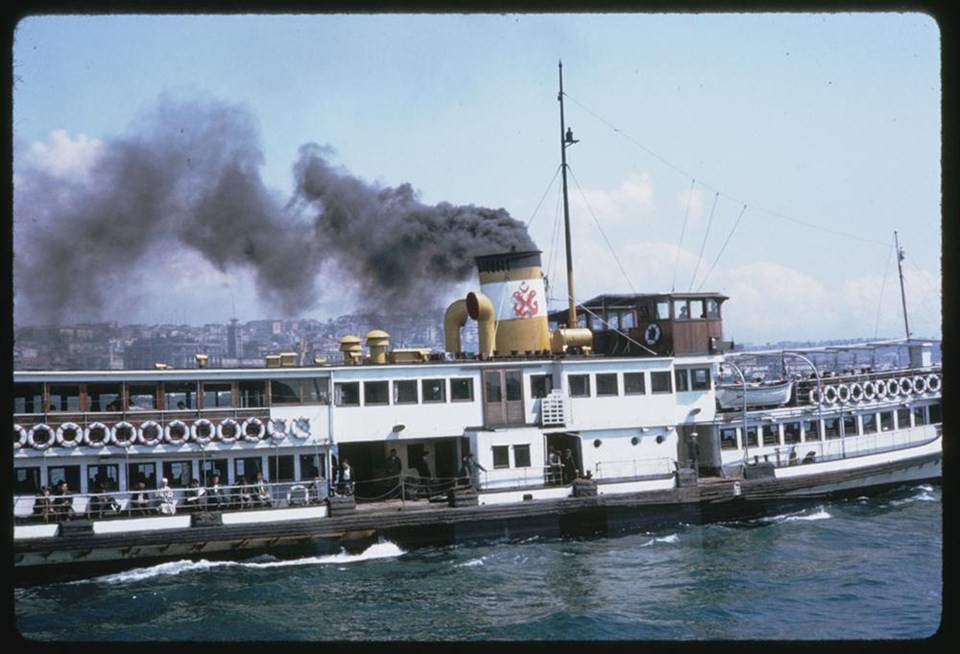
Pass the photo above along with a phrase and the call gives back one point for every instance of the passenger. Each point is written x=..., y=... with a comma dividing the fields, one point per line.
x=554, y=468
x=181, y=406
x=570, y=472
x=101, y=503
x=194, y=500
x=140, y=501
x=394, y=468
x=216, y=499
x=63, y=502
x=43, y=506
x=423, y=468
x=243, y=493
x=261, y=492
x=345, y=485
x=168, y=505
x=471, y=470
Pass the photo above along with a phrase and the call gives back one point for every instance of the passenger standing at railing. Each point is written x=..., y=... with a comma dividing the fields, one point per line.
x=261, y=492
x=394, y=468
x=570, y=471
x=345, y=486
x=195, y=499
x=168, y=505
x=215, y=498
x=471, y=469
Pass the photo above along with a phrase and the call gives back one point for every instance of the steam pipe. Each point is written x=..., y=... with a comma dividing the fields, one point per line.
x=480, y=308
x=453, y=321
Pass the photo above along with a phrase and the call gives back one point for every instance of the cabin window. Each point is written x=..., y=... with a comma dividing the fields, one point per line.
x=680, y=310
x=104, y=397
x=213, y=467
x=633, y=383
x=69, y=474
x=628, y=320
x=728, y=439
x=751, y=437
x=771, y=434
x=376, y=392
x=405, y=391
x=791, y=432
x=247, y=467
x=811, y=430
x=935, y=416
x=831, y=427
x=521, y=456
x=253, y=393
x=347, y=393
x=613, y=320
x=64, y=397
x=903, y=418
x=869, y=423
x=919, y=416
x=886, y=421
x=107, y=474
x=579, y=385
x=26, y=480
x=280, y=468
x=216, y=395
x=540, y=385
x=142, y=471
x=141, y=397
x=180, y=395
x=607, y=384
x=178, y=473
x=434, y=390
x=712, y=308
x=663, y=310
x=660, y=382
x=700, y=379
x=683, y=382
x=850, y=426
x=501, y=456
x=284, y=391
x=316, y=390
x=514, y=384
x=461, y=389
x=311, y=467
x=28, y=398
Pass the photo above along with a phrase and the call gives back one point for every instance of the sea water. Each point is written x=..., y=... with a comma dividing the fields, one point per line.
x=864, y=568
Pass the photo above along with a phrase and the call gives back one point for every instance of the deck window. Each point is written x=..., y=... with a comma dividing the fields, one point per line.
x=831, y=427
x=501, y=456
x=869, y=423
x=70, y=474
x=284, y=391
x=633, y=383
x=216, y=395
x=253, y=393
x=919, y=416
x=521, y=456
x=903, y=418
x=26, y=480
x=771, y=435
x=886, y=421
x=791, y=432
x=141, y=397
x=28, y=398
x=211, y=467
x=248, y=467
x=700, y=379
x=104, y=397
x=376, y=392
x=311, y=467
x=935, y=415
x=180, y=395
x=107, y=474
x=811, y=430
x=579, y=385
x=347, y=393
x=751, y=437
x=728, y=439
x=434, y=390
x=280, y=468
x=178, y=473
x=142, y=472
x=540, y=385
x=405, y=391
x=850, y=426
x=461, y=389
x=660, y=382
x=64, y=397
x=607, y=384
x=316, y=390
x=683, y=382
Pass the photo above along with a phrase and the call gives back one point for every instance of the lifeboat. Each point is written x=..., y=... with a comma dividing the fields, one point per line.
x=203, y=431
x=228, y=430
x=253, y=429
x=40, y=437
x=69, y=434
x=176, y=432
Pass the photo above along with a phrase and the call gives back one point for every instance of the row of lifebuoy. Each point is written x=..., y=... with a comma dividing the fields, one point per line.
x=879, y=389
x=150, y=433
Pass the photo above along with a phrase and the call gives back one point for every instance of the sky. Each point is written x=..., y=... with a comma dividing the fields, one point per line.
x=194, y=168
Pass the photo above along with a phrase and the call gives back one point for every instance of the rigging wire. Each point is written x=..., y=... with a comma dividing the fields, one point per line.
x=686, y=213
x=703, y=245
x=883, y=284
x=722, y=248
x=543, y=197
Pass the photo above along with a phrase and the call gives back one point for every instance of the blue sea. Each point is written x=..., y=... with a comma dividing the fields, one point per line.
x=865, y=568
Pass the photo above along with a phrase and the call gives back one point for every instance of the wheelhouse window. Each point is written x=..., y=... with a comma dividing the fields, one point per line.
x=579, y=385
x=216, y=395
x=141, y=397
x=628, y=320
x=376, y=392
x=461, y=389
x=284, y=391
x=607, y=384
x=700, y=379
x=105, y=397
x=683, y=382
x=681, y=311
x=347, y=393
x=64, y=397
x=501, y=456
x=405, y=391
x=660, y=382
x=253, y=393
x=540, y=386
x=28, y=398
x=712, y=308
x=180, y=395
x=434, y=390
x=662, y=310
x=521, y=456
x=634, y=384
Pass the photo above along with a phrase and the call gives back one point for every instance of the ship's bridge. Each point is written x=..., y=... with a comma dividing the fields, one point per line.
x=658, y=324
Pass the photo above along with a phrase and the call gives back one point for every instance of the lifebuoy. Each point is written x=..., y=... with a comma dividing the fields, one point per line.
x=906, y=386
x=40, y=437
x=300, y=428
x=277, y=428
x=203, y=431
x=815, y=395
x=69, y=434
x=933, y=383
x=856, y=392
x=96, y=434
x=125, y=434
x=893, y=387
x=830, y=394
x=843, y=393
x=19, y=437
x=869, y=390
x=151, y=433
x=920, y=384
x=292, y=498
x=652, y=333
x=176, y=432
x=253, y=429
x=228, y=430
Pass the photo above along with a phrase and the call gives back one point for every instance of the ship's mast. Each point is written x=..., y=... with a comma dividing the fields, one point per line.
x=903, y=294
x=566, y=139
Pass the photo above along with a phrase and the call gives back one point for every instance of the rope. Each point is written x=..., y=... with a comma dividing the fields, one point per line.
x=704, y=243
x=686, y=213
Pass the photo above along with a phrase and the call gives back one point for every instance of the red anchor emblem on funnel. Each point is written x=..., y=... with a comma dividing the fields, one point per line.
x=525, y=305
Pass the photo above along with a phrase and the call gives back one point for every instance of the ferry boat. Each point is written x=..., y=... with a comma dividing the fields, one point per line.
x=606, y=417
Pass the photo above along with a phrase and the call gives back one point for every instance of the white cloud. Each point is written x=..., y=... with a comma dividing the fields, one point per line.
x=63, y=156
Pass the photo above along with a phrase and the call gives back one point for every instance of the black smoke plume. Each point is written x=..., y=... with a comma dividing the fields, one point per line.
x=187, y=177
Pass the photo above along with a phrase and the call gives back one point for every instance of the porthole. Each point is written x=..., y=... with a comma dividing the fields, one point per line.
x=597, y=442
